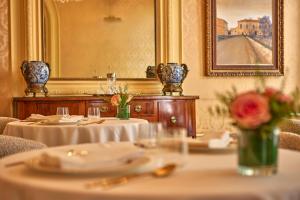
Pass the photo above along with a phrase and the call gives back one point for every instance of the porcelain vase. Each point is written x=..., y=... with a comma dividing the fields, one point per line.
x=36, y=75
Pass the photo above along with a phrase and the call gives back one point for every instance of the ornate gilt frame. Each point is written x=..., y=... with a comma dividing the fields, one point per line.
x=277, y=69
x=26, y=44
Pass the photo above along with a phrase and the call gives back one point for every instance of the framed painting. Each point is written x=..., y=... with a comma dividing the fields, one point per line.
x=244, y=38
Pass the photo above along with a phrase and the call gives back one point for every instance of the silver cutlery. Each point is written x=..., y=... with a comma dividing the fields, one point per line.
x=107, y=183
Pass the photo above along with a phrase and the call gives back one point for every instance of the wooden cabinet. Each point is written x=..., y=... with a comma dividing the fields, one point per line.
x=171, y=111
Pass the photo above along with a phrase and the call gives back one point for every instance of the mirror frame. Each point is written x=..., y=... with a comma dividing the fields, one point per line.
x=168, y=34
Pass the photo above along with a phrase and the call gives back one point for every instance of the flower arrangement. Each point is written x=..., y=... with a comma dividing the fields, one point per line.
x=262, y=108
x=121, y=99
x=257, y=114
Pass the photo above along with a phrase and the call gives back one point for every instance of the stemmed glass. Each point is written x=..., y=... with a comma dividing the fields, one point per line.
x=147, y=135
x=166, y=146
x=93, y=113
x=62, y=111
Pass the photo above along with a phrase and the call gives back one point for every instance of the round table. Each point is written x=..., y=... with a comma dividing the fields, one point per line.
x=112, y=129
x=205, y=176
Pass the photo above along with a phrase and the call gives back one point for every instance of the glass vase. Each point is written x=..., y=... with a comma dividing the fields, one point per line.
x=258, y=152
x=123, y=112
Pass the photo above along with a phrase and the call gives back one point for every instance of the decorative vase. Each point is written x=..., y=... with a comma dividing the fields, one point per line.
x=258, y=152
x=172, y=76
x=36, y=75
x=151, y=72
x=123, y=112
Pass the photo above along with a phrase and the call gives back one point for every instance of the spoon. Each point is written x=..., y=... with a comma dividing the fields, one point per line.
x=73, y=152
x=107, y=183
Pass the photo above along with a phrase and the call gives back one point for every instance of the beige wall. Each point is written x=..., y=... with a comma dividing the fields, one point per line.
x=5, y=70
x=91, y=46
x=194, y=56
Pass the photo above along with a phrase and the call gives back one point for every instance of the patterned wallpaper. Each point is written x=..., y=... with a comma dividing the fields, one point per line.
x=6, y=94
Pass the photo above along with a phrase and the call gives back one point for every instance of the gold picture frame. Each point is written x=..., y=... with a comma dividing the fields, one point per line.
x=256, y=41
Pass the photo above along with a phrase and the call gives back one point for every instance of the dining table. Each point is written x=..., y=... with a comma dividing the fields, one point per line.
x=57, y=134
x=204, y=175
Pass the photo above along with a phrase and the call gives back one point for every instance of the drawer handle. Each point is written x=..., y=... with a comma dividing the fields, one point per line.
x=173, y=120
x=138, y=108
x=103, y=109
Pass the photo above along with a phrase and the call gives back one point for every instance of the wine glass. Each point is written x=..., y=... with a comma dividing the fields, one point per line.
x=148, y=134
x=93, y=113
x=172, y=146
x=62, y=111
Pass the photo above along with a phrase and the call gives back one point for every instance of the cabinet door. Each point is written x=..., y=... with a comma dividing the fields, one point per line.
x=106, y=109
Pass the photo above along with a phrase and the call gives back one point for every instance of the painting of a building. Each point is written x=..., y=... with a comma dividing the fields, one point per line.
x=244, y=32
x=222, y=27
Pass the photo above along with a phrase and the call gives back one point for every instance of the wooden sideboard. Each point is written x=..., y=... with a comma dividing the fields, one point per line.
x=171, y=111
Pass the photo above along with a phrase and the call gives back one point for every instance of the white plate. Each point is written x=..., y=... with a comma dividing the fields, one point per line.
x=201, y=149
x=34, y=164
x=59, y=123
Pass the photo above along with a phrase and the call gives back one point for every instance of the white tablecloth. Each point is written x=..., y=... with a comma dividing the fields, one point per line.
x=111, y=129
x=205, y=176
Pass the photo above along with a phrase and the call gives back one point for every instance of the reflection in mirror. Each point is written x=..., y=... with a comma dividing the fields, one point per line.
x=90, y=38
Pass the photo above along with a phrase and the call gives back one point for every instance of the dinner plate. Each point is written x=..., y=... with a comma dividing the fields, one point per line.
x=202, y=149
x=130, y=164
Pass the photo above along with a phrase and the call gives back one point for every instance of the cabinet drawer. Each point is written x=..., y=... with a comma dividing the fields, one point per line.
x=49, y=108
x=172, y=113
x=106, y=109
x=143, y=109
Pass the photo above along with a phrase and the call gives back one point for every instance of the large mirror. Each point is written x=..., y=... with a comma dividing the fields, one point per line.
x=86, y=39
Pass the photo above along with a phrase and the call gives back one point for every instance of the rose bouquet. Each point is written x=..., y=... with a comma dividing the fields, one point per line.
x=257, y=114
x=121, y=99
x=258, y=109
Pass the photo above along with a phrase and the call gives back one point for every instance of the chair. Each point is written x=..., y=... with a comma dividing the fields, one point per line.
x=290, y=140
x=290, y=125
x=11, y=145
x=4, y=121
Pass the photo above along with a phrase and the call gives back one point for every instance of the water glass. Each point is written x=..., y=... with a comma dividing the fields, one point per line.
x=62, y=111
x=93, y=113
x=148, y=135
x=172, y=146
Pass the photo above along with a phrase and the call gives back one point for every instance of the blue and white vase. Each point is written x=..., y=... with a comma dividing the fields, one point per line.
x=36, y=75
x=171, y=76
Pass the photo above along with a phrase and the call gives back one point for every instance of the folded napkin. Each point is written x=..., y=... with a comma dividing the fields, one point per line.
x=37, y=117
x=90, y=156
x=61, y=119
x=211, y=140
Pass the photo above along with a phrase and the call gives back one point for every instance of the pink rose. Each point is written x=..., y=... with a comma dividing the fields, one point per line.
x=269, y=92
x=250, y=110
x=115, y=100
x=283, y=98
x=279, y=96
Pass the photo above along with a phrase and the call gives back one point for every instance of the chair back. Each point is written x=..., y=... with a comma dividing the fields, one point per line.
x=4, y=121
x=11, y=145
